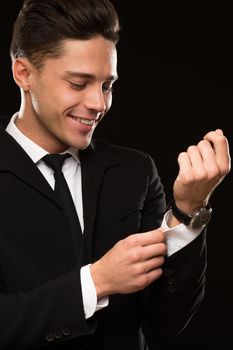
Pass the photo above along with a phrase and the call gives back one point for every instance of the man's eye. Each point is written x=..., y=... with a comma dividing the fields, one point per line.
x=107, y=88
x=77, y=86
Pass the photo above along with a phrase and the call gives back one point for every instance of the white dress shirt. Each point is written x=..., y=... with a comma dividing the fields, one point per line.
x=176, y=237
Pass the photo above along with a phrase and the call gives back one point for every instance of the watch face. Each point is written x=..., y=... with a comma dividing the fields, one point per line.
x=200, y=218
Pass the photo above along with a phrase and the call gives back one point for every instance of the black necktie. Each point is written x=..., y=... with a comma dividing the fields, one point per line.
x=55, y=162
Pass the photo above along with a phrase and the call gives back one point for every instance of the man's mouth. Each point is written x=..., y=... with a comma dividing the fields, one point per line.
x=83, y=120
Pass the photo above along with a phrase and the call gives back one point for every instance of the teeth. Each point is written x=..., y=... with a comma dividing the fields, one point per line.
x=84, y=121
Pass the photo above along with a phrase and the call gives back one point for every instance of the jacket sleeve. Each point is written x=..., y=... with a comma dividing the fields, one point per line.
x=169, y=303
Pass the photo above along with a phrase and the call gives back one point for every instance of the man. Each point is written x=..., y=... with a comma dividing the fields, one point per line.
x=125, y=275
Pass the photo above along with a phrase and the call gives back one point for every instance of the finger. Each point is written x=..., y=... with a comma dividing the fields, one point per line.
x=221, y=149
x=153, y=275
x=153, y=250
x=153, y=263
x=219, y=131
x=185, y=168
x=196, y=161
x=209, y=160
x=146, y=238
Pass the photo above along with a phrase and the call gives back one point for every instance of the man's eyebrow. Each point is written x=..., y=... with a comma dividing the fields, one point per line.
x=74, y=74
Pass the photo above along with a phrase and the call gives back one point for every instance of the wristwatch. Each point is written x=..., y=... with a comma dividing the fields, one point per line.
x=199, y=219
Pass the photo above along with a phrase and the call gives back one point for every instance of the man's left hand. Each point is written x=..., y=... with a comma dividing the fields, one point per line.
x=201, y=169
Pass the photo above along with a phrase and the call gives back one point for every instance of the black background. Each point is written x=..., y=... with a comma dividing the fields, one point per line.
x=175, y=85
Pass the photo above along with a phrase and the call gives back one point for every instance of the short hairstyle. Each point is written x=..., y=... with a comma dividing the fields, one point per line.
x=42, y=26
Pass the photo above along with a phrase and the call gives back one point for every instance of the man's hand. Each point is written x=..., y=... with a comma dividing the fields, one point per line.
x=131, y=265
x=202, y=168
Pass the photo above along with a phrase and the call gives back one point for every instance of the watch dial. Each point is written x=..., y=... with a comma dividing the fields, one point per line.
x=200, y=219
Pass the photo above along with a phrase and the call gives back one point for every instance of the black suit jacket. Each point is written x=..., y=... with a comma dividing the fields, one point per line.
x=40, y=291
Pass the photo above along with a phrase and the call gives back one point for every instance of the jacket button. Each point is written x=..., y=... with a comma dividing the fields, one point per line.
x=171, y=289
x=66, y=331
x=50, y=337
x=167, y=272
x=58, y=334
x=170, y=280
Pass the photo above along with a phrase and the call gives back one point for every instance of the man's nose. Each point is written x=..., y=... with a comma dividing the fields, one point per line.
x=96, y=100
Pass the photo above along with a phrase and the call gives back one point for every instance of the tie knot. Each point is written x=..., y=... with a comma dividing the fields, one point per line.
x=55, y=161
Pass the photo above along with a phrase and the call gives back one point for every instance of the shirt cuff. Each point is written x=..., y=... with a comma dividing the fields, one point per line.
x=90, y=303
x=178, y=236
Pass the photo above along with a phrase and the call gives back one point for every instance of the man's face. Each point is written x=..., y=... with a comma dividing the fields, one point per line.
x=69, y=95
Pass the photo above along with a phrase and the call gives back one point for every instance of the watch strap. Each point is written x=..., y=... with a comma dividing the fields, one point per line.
x=180, y=215
x=183, y=217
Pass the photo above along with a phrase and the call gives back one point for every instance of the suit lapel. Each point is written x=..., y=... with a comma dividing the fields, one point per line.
x=14, y=160
x=94, y=163
x=93, y=166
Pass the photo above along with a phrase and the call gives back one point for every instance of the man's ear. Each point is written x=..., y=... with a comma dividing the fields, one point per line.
x=22, y=70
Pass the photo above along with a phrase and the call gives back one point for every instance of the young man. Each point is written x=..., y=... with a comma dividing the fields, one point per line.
x=135, y=268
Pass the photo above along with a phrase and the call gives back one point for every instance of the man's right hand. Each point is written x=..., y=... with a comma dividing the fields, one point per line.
x=131, y=265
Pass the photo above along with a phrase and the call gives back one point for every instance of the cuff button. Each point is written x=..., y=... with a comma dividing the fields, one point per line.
x=66, y=331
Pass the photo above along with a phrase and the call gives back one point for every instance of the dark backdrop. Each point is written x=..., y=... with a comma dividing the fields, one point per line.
x=175, y=85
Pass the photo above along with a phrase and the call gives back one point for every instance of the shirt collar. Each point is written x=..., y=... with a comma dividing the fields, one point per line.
x=35, y=152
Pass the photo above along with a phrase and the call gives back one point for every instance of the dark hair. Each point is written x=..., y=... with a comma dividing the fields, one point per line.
x=42, y=25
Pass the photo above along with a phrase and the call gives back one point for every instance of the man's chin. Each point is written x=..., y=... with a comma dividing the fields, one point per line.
x=83, y=145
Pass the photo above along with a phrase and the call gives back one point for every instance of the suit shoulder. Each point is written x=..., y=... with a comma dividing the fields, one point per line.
x=121, y=152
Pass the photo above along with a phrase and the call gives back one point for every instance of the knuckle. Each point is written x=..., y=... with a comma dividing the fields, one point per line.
x=138, y=269
x=162, y=260
x=156, y=274
x=201, y=176
x=134, y=255
x=158, y=261
x=160, y=236
x=191, y=148
x=131, y=240
x=146, y=280
x=214, y=172
x=159, y=271
x=225, y=169
x=202, y=143
x=188, y=179
x=163, y=248
x=142, y=282
x=182, y=155
x=221, y=139
x=119, y=244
